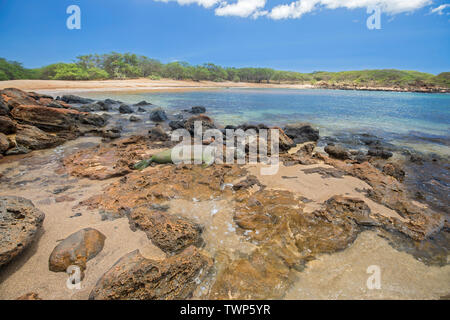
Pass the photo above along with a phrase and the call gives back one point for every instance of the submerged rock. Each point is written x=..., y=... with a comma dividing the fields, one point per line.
x=142, y=103
x=197, y=110
x=76, y=249
x=19, y=224
x=134, y=277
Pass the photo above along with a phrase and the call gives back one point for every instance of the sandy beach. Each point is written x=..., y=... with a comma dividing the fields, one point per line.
x=141, y=84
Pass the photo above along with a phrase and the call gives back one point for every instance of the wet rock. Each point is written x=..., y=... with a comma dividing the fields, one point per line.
x=19, y=224
x=7, y=126
x=177, y=124
x=124, y=108
x=158, y=134
x=394, y=170
x=76, y=249
x=110, y=102
x=158, y=115
x=140, y=109
x=134, y=277
x=168, y=232
x=142, y=103
x=17, y=150
x=337, y=152
x=379, y=153
x=197, y=110
x=75, y=99
x=95, y=107
x=301, y=132
x=29, y=296
x=134, y=119
x=285, y=143
x=111, y=132
x=33, y=138
x=205, y=121
x=4, y=143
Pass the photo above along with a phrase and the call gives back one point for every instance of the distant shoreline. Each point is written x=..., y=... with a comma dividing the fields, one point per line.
x=168, y=85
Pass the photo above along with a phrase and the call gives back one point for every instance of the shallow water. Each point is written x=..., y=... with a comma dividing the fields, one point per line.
x=421, y=121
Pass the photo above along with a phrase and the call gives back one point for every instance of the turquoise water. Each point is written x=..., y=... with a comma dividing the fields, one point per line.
x=421, y=120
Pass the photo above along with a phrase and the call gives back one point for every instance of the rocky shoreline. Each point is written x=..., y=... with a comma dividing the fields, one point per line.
x=217, y=232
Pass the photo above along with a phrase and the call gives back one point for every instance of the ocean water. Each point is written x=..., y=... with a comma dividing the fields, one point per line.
x=416, y=120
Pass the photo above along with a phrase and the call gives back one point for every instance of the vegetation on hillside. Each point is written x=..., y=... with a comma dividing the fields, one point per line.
x=125, y=66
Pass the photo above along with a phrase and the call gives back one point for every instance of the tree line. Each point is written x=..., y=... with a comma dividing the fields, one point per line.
x=128, y=66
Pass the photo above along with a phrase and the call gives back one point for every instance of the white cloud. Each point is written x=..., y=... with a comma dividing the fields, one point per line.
x=203, y=3
x=299, y=8
x=241, y=8
x=440, y=10
x=296, y=9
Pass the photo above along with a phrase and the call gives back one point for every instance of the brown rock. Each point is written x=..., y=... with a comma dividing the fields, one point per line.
x=35, y=139
x=4, y=143
x=113, y=159
x=19, y=224
x=45, y=118
x=29, y=296
x=76, y=249
x=394, y=170
x=170, y=233
x=337, y=152
x=135, y=278
x=158, y=134
x=7, y=126
x=206, y=122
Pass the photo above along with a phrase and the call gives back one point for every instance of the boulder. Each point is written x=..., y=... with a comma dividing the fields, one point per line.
x=337, y=152
x=134, y=119
x=158, y=115
x=33, y=138
x=134, y=277
x=124, y=108
x=176, y=124
x=7, y=126
x=75, y=99
x=205, y=121
x=197, y=109
x=19, y=224
x=142, y=103
x=95, y=107
x=49, y=119
x=76, y=249
x=140, y=109
x=301, y=132
x=158, y=134
x=4, y=143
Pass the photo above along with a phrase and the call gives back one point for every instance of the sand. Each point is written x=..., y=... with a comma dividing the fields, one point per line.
x=141, y=84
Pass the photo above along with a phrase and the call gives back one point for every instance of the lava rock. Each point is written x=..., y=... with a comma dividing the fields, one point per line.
x=142, y=103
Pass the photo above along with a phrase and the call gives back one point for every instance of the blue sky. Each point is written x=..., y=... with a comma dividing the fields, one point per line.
x=305, y=35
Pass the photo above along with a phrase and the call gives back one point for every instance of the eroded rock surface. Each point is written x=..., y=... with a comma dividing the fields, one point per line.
x=134, y=277
x=20, y=221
